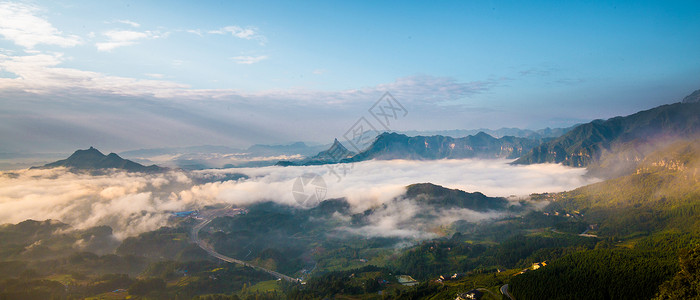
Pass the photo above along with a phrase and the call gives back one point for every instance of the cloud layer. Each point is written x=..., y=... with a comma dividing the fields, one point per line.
x=372, y=183
x=135, y=203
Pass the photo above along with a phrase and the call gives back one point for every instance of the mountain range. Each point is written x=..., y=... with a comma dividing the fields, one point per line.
x=626, y=138
x=497, y=133
x=609, y=148
x=399, y=146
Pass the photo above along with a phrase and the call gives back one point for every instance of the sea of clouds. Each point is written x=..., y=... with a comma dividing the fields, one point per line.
x=132, y=203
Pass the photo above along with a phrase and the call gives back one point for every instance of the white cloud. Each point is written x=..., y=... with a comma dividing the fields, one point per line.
x=20, y=23
x=130, y=203
x=248, y=60
x=155, y=75
x=194, y=31
x=380, y=185
x=129, y=22
x=248, y=33
x=409, y=219
x=369, y=184
x=121, y=38
x=39, y=74
x=434, y=89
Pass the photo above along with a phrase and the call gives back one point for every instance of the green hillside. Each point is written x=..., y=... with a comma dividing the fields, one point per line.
x=662, y=193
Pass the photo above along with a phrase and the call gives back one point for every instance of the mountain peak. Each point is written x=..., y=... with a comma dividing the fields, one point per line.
x=91, y=149
x=483, y=135
x=335, y=153
x=692, y=98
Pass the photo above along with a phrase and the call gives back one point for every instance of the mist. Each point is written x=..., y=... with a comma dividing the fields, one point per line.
x=371, y=183
x=132, y=203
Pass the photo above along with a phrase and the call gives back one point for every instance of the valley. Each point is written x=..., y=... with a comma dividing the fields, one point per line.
x=349, y=150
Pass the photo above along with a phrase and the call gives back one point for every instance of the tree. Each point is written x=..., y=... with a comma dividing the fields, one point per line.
x=685, y=284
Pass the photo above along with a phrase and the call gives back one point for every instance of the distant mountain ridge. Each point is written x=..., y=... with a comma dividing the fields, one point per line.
x=497, y=133
x=93, y=159
x=399, y=146
x=585, y=144
x=391, y=145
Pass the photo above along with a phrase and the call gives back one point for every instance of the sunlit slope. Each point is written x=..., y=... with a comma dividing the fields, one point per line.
x=662, y=192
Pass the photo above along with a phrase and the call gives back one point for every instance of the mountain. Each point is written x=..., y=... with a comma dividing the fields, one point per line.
x=435, y=195
x=52, y=238
x=93, y=159
x=586, y=144
x=399, y=146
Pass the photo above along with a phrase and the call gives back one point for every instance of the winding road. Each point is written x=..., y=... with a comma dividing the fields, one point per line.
x=504, y=291
x=210, y=250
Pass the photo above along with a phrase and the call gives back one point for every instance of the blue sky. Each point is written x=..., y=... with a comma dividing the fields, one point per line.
x=164, y=73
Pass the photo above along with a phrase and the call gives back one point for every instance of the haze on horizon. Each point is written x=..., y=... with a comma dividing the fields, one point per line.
x=127, y=75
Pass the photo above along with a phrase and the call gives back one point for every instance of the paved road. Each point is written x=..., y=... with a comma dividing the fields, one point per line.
x=212, y=252
x=504, y=291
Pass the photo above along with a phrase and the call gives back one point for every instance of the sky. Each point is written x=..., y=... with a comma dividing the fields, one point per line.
x=122, y=75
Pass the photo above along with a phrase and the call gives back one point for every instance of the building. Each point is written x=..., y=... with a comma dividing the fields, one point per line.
x=473, y=294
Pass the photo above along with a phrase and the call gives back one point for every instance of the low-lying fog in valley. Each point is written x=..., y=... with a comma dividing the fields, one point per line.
x=132, y=203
